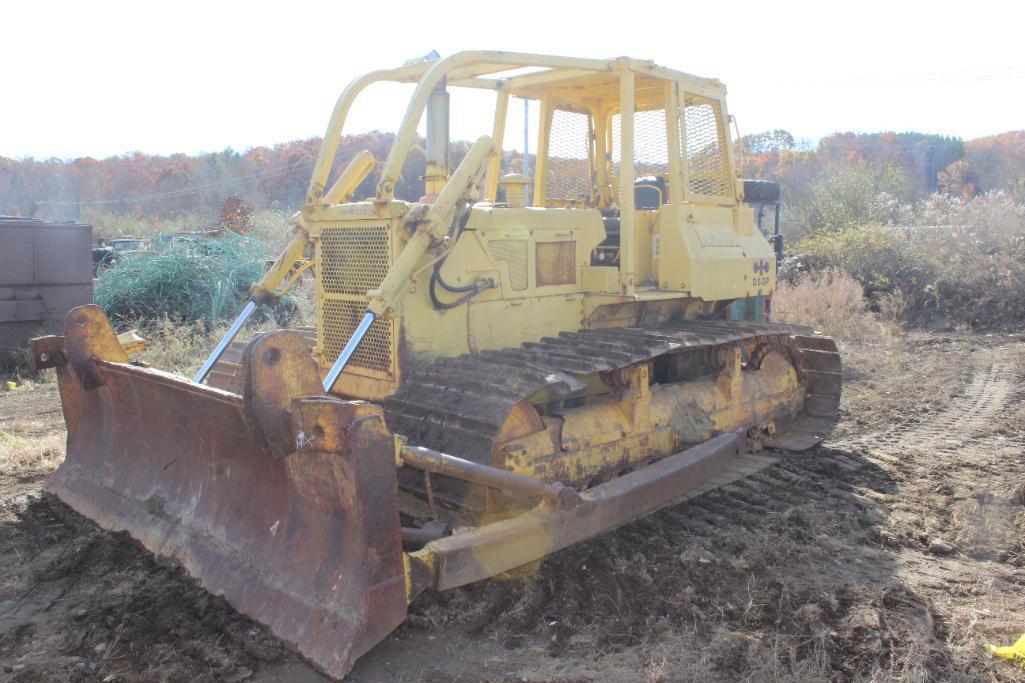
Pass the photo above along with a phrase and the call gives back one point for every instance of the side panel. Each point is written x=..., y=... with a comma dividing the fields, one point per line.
x=714, y=253
x=535, y=258
x=507, y=324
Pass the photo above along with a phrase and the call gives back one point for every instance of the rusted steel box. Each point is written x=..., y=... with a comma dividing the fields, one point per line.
x=45, y=270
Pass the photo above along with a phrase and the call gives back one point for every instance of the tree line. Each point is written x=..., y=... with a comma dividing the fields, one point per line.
x=146, y=185
x=843, y=169
x=850, y=177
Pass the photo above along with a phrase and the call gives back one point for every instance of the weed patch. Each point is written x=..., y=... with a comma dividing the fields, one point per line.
x=831, y=301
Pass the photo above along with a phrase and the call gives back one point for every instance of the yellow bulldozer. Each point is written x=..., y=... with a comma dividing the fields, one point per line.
x=505, y=367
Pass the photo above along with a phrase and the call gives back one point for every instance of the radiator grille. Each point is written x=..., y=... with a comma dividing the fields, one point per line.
x=340, y=321
x=353, y=260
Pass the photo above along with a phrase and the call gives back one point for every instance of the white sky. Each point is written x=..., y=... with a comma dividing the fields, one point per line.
x=103, y=78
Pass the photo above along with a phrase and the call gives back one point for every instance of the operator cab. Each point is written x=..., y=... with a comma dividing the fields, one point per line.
x=634, y=147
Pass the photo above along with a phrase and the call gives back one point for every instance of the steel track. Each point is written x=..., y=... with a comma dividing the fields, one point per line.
x=458, y=405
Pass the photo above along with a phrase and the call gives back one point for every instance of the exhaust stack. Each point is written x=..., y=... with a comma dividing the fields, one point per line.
x=438, y=162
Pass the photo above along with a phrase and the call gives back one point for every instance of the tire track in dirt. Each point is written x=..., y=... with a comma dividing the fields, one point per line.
x=968, y=415
x=956, y=469
x=957, y=523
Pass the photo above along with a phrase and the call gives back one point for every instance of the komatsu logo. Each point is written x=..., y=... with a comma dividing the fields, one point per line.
x=761, y=267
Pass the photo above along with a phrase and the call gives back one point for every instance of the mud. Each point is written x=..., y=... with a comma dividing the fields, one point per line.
x=895, y=550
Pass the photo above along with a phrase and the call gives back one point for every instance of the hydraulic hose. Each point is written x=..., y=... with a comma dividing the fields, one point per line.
x=457, y=230
x=476, y=288
x=469, y=291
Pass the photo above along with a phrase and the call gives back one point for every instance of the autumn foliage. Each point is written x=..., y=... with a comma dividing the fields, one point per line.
x=937, y=222
x=160, y=186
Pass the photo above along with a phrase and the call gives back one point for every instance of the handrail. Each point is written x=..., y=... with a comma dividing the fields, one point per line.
x=333, y=135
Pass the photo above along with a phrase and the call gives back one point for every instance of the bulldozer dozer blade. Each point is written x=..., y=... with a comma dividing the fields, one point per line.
x=306, y=542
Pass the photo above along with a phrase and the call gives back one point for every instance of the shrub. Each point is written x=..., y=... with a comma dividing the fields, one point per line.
x=978, y=259
x=882, y=259
x=831, y=301
x=978, y=281
x=271, y=226
x=964, y=265
x=187, y=282
x=177, y=347
x=182, y=346
x=846, y=197
x=111, y=224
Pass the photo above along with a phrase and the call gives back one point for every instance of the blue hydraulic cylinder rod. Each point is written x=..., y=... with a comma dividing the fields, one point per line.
x=350, y=348
x=223, y=344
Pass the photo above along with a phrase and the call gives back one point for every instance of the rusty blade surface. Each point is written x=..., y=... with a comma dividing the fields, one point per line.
x=307, y=544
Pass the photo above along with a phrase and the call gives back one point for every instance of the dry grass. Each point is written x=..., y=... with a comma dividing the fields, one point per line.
x=31, y=431
x=896, y=377
x=175, y=347
x=832, y=302
x=182, y=347
x=21, y=454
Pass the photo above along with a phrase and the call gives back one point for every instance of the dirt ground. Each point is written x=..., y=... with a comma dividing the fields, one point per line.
x=894, y=550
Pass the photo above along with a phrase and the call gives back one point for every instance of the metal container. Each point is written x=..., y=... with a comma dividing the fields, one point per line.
x=45, y=271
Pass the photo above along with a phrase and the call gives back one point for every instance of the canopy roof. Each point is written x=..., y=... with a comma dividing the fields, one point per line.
x=536, y=76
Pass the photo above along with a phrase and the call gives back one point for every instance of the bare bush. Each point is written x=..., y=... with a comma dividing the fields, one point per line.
x=271, y=226
x=882, y=259
x=183, y=347
x=831, y=301
x=977, y=262
x=994, y=214
x=964, y=265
